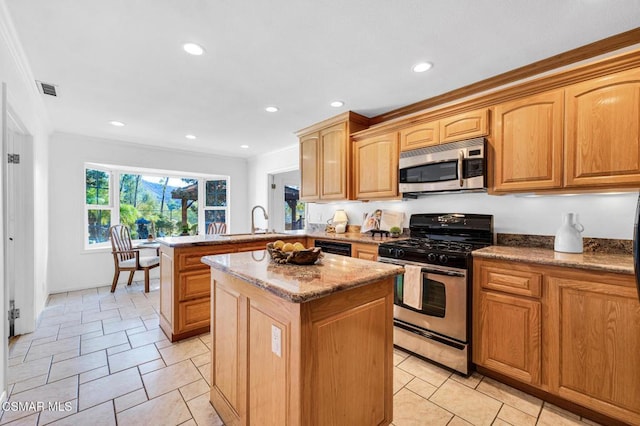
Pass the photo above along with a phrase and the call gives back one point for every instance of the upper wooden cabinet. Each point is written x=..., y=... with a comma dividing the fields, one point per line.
x=376, y=167
x=528, y=143
x=450, y=129
x=325, y=158
x=603, y=131
x=465, y=126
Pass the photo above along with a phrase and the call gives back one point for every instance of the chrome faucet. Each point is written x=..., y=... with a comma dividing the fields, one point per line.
x=253, y=224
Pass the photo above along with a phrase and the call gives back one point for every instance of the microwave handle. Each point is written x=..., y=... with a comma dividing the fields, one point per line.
x=460, y=163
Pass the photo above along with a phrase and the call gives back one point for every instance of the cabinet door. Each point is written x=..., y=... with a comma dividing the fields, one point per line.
x=594, y=330
x=508, y=336
x=528, y=143
x=309, y=167
x=334, y=163
x=464, y=126
x=364, y=251
x=376, y=167
x=603, y=131
x=420, y=136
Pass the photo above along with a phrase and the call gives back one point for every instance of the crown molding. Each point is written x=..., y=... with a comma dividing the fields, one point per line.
x=9, y=37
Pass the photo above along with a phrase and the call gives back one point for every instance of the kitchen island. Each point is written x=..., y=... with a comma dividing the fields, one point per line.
x=184, y=280
x=301, y=345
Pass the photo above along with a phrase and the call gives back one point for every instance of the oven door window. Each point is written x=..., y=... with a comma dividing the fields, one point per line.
x=432, y=172
x=434, y=296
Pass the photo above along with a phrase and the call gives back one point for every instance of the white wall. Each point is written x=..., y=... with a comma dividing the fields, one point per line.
x=72, y=267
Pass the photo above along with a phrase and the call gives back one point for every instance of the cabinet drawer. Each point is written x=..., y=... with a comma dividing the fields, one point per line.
x=193, y=314
x=190, y=259
x=523, y=283
x=194, y=284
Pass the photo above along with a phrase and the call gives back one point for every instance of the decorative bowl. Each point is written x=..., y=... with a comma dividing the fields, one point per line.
x=300, y=257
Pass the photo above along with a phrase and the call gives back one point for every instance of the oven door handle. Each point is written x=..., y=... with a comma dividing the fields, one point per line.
x=460, y=165
x=426, y=269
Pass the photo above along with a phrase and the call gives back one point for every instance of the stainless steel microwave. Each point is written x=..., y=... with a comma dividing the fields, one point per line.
x=455, y=166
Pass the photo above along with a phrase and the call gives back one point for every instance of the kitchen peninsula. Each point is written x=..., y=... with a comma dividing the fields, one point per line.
x=297, y=344
x=184, y=280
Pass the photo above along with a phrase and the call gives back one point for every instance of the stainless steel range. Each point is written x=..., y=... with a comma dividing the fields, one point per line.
x=433, y=298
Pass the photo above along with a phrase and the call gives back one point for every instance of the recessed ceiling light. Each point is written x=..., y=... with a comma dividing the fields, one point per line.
x=116, y=123
x=422, y=67
x=271, y=109
x=244, y=146
x=193, y=49
x=337, y=104
x=190, y=136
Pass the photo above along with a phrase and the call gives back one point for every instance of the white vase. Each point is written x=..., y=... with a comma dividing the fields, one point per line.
x=569, y=238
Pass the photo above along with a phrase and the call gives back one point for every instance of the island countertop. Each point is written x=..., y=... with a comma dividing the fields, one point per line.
x=302, y=283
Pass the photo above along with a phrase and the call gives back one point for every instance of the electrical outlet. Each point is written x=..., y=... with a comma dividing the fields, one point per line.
x=276, y=340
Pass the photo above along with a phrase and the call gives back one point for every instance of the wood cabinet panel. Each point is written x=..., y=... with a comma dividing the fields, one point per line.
x=464, y=126
x=595, y=345
x=166, y=285
x=309, y=172
x=603, y=131
x=194, y=284
x=376, y=167
x=528, y=143
x=420, y=136
x=510, y=330
x=364, y=251
x=514, y=281
x=334, y=162
x=193, y=314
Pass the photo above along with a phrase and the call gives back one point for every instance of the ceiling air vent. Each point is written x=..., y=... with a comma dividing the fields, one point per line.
x=46, y=88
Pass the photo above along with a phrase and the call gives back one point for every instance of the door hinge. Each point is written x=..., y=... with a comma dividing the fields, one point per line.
x=273, y=186
x=14, y=314
x=13, y=158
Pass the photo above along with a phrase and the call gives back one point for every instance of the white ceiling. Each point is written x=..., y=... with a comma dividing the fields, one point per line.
x=122, y=59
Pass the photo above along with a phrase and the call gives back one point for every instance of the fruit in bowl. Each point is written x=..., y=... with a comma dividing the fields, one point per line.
x=295, y=253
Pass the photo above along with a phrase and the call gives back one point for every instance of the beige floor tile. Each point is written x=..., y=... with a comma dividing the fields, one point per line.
x=457, y=421
x=66, y=409
x=66, y=355
x=500, y=422
x=91, y=316
x=40, y=332
x=400, y=378
x=554, y=418
x=513, y=397
x=25, y=421
x=109, y=387
x=590, y=422
x=203, y=412
x=15, y=361
x=78, y=307
x=189, y=422
x=60, y=391
x=104, y=342
x=94, y=374
x=399, y=356
x=43, y=340
x=194, y=389
x=91, y=335
x=132, y=331
x=559, y=410
x=168, y=409
x=516, y=417
x=77, y=365
x=202, y=359
x=421, y=387
x=410, y=409
x=425, y=370
x=465, y=402
x=130, y=400
x=169, y=378
x=28, y=370
x=78, y=330
x=117, y=349
x=133, y=357
x=71, y=317
x=151, y=324
x=100, y=415
x=151, y=366
x=151, y=336
x=205, y=371
x=112, y=327
x=31, y=383
x=183, y=350
x=471, y=381
x=163, y=344
x=48, y=349
x=132, y=312
x=19, y=349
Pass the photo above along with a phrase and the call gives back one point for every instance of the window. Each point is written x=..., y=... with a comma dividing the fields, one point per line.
x=151, y=202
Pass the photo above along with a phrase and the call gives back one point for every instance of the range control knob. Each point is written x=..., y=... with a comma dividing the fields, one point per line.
x=399, y=253
x=443, y=258
x=431, y=257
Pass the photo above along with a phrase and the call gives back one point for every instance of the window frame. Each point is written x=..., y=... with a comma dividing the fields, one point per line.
x=115, y=172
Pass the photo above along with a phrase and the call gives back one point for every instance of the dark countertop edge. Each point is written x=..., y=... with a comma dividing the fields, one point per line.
x=591, y=265
x=296, y=297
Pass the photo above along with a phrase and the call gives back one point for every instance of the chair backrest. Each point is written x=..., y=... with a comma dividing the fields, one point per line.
x=121, y=241
x=217, y=228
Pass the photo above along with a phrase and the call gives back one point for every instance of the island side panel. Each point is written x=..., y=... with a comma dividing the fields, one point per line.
x=166, y=289
x=347, y=355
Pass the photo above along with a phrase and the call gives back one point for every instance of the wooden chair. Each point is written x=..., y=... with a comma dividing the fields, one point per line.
x=127, y=258
x=217, y=228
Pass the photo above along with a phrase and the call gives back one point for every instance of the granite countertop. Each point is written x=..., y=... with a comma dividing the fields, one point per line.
x=618, y=263
x=204, y=240
x=354, y=237
x=302, y=283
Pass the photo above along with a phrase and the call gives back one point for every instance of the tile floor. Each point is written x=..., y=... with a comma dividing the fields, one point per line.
x=100, y=359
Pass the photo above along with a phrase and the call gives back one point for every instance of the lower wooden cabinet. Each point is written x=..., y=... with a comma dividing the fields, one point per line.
x=574, y=334
x=364, y=251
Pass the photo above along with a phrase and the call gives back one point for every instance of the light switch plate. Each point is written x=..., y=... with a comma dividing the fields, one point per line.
x=276, y=340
